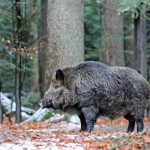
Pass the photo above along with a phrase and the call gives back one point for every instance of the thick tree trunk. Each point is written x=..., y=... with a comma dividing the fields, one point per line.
x=140, y=46
x=112, y=36
x=65, y=34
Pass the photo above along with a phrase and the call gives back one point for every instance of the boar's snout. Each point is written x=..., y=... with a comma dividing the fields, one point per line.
x=47, y=103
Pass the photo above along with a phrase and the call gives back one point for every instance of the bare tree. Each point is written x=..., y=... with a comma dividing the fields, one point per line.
x=17, y=46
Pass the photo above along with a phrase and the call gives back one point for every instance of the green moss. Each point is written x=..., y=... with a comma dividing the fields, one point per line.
x=49, y=114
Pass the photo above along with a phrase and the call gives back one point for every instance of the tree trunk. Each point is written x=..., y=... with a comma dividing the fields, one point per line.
x=17, y=39
x=65, y=34
x=112, y=36
x=140, y=48
x=43, y=48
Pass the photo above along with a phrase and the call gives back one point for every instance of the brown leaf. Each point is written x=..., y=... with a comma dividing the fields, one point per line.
x=147, y=139
x=8, y=140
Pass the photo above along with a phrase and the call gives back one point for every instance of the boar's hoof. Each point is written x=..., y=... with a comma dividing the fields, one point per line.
x=83, y=129
x=140, y=125
x=131, y=121
x=89, y=130
x=83, y=122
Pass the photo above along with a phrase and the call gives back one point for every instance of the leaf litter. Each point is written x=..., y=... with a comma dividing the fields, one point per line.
x=107, y=135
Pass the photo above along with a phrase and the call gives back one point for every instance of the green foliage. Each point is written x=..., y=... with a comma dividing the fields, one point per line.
x=132, y=6
x=6, y=56
x=92, y=25
x=30, y=99
x=7, y=51
x=51, y=113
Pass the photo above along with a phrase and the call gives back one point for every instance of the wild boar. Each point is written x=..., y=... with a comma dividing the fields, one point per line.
x=92, y=88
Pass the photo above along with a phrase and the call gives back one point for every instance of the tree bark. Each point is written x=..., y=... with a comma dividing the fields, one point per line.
x=65, y=34
x=43, y=48
x=112, y=36
x=140, y=48
x=17, y=39
x=140, y=45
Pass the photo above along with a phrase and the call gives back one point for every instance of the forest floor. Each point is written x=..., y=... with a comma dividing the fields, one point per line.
x=107, y=135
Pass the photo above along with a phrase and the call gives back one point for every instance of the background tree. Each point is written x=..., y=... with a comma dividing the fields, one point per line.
x=140, y=54
x=65, y=34
x=148, y=43
x=112, y=35
x=17, y=45
x=43, y=49
x=65, y=40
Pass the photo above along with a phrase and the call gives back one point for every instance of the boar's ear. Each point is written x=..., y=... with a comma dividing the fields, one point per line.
x=60, y=76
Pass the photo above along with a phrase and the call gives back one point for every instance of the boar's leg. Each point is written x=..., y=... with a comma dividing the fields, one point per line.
x=83, y=122
x=90, y=117
x=131, y=120
x=140, y=125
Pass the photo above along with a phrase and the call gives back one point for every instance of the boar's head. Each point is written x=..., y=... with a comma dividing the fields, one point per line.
x=54, y=97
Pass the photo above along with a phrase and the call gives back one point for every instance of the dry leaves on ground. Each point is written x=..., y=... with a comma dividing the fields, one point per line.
x=107, y=135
